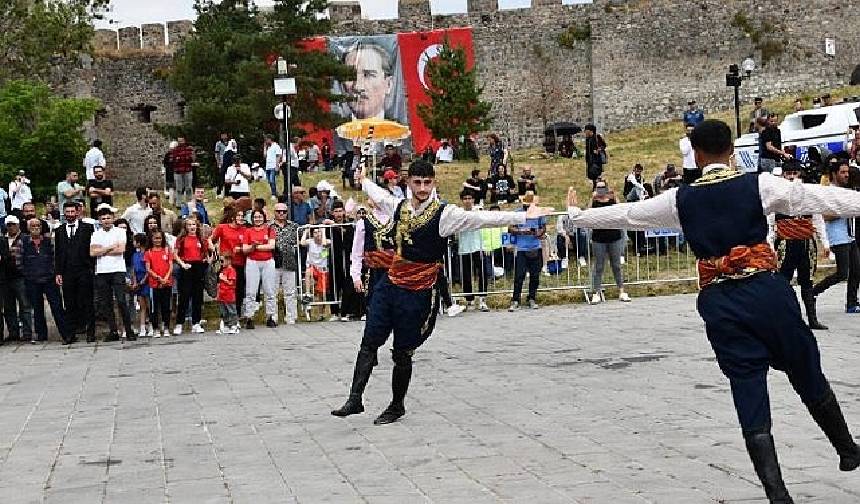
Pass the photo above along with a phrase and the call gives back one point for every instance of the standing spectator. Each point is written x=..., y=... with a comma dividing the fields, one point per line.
x=136, y=213
x=827, y=99
x=470, y=250
x=771, y=142
x=140, y=283
x=190, y=254
x=226, y=298
x=17, y=305
x=108, y=246
x=527, y=182
x=94, y=157
x=197, y=206
x=274, y=156
x=75, y=270
x=342, y=236
x=70, y=190
x=595, y=154
x=445, y=153
x=167, y=171
x=28, y=211
x=182, y=158
x=691, y=171
x=693, y=114
x=237, y=179
x=390, y=159
x=258, y=245
x=351, y=166
x=4, y=196
x=286, y=261
x=159, y=270
x=313, y=156
x=19, y=192
x=100, y=190
x=428, y=155
x=4, y=289
x=756, y=112
x=228, y=235
x=325, y=151
x=606, y=242
x=128, y=258
x=321, y=204
x=529, y=255
x=153, y=223
x=290, y=167
x=221, y=147
x=575, y=242
x=477, y=187
x=798, y=105
x=497, y=154
x=502, y=188
x=37, y=262
x=166, y=217
x=391, y=178
x=300, y=210
x=844, y=247
x=854, y=148
x=316, y=273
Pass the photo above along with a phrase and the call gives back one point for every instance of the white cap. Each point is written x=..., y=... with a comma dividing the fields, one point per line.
x=11, y=219
x=105, y=205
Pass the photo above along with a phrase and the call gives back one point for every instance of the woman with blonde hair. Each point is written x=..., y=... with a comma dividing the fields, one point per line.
x=190, y=253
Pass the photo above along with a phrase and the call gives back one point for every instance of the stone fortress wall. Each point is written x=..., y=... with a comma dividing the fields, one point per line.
x=622, y=63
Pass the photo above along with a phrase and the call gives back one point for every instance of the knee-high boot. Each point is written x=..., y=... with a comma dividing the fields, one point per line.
x=811, y=313
x=828, y=416
x=400, y=376
x=363, y=367
x=762, y=452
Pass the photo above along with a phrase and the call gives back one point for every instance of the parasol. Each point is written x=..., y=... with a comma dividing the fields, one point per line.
x=377, y=130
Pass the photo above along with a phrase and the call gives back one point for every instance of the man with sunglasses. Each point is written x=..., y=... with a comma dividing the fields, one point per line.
x=286, y=262
x=405, y=302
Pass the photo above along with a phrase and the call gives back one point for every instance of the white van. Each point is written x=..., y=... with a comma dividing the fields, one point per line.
x=824, y=128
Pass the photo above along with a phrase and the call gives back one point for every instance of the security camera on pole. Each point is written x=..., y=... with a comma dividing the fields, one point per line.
x=285, y=86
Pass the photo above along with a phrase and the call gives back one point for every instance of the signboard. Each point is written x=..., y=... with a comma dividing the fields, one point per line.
x=661, y=233
x=830, y=47
x=509, y=239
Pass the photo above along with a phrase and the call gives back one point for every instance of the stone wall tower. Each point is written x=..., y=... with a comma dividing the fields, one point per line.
x=407, y=9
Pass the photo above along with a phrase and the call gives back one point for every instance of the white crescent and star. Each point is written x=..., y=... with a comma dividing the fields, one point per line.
x=428, y=54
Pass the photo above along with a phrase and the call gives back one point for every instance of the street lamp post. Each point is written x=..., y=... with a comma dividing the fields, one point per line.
x=285, y=86
x=734, y=79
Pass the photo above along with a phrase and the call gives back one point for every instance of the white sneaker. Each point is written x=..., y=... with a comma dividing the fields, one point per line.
x=273, y=197
x=291, y=321
x=122, y=335
x=197, y=329
x=455, y=310
x=514, y=306
x=621, y=260
x=596, y=298
x=582, y=262
x=564, y=263
x=156, y=334
x=150, y=331
x=533, y=304
x=333, y=318
x=483, y=306
x=344, y=319
x=142, y=332
x=177, y=330
x=220, y=327
x=624, y=297
x=363, y=318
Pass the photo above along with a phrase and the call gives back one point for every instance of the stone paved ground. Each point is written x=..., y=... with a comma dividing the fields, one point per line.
x=603, y=404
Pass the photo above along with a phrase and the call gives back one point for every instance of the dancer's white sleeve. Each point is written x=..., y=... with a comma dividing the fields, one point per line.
x=385, y=201
x=356, y=256
x=456, y=220
x=654, y=213
x=796, y=198
x=820, y=230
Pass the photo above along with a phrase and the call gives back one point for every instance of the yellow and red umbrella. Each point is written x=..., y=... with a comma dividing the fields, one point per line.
x=377, y=130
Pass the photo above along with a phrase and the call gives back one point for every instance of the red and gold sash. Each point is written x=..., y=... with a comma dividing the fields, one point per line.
x=379, y=258
x=799, y=228
x=414, y=276
x=742, y=261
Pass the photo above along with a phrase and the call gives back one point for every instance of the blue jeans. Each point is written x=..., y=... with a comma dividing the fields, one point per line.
x=17, y=305
x=531, y=262
x=38, y=293
x=271, y=178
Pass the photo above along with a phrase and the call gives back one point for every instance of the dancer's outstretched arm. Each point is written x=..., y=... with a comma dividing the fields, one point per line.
x=658, y=212
x=796, y=198
x=456, y=220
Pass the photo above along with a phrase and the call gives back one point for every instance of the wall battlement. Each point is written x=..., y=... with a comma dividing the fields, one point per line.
x=153, y=37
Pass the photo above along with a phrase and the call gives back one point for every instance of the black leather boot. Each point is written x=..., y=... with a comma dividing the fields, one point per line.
x=811, y=313
x=763, y=455
x=828, y=416
x=400, y=376
x=363, y=367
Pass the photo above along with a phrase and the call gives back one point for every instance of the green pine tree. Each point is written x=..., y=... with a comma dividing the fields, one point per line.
x=225, y=75
x=455, y=109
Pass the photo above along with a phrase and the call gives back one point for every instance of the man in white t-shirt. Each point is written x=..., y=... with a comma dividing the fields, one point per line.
x=445, y=153
x=107, y=245
x=274, y=156
x=19, y=191
x=691, y=172
x=94, y=157
x=236, y=178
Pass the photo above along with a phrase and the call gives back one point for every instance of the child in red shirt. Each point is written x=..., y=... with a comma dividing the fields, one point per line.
x=159, y=270
x=227, y=297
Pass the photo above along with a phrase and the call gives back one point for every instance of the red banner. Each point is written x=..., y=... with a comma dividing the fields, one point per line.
x=416, y=49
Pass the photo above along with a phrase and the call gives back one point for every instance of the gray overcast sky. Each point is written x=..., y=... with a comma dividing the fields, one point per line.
x=136, y=12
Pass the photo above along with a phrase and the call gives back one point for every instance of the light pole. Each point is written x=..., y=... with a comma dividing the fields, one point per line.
x=734, y=80
x=285, y=86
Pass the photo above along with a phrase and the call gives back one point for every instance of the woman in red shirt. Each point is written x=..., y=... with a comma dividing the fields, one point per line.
x=258, y=245
x=159, y=269
x=228, y=235
x=190, y=254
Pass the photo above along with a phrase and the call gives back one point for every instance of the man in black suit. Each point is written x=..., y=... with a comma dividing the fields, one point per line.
x=75, y=270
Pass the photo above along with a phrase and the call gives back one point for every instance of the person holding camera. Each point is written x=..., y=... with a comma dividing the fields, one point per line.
x=606, y=243
x=19, y=193
x=236, y=179
x=770, y=152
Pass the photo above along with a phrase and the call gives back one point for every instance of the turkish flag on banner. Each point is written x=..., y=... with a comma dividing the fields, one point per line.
x=416, y=50
x=316, y=135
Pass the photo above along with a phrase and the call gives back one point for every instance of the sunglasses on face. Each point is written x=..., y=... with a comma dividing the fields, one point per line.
x=280, y=211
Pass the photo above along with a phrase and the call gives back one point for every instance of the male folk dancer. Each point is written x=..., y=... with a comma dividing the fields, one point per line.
x=796, y=248
x=752, y=317
x=404, y=299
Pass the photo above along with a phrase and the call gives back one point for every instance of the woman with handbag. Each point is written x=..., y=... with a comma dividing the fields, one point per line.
x=595, y=154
